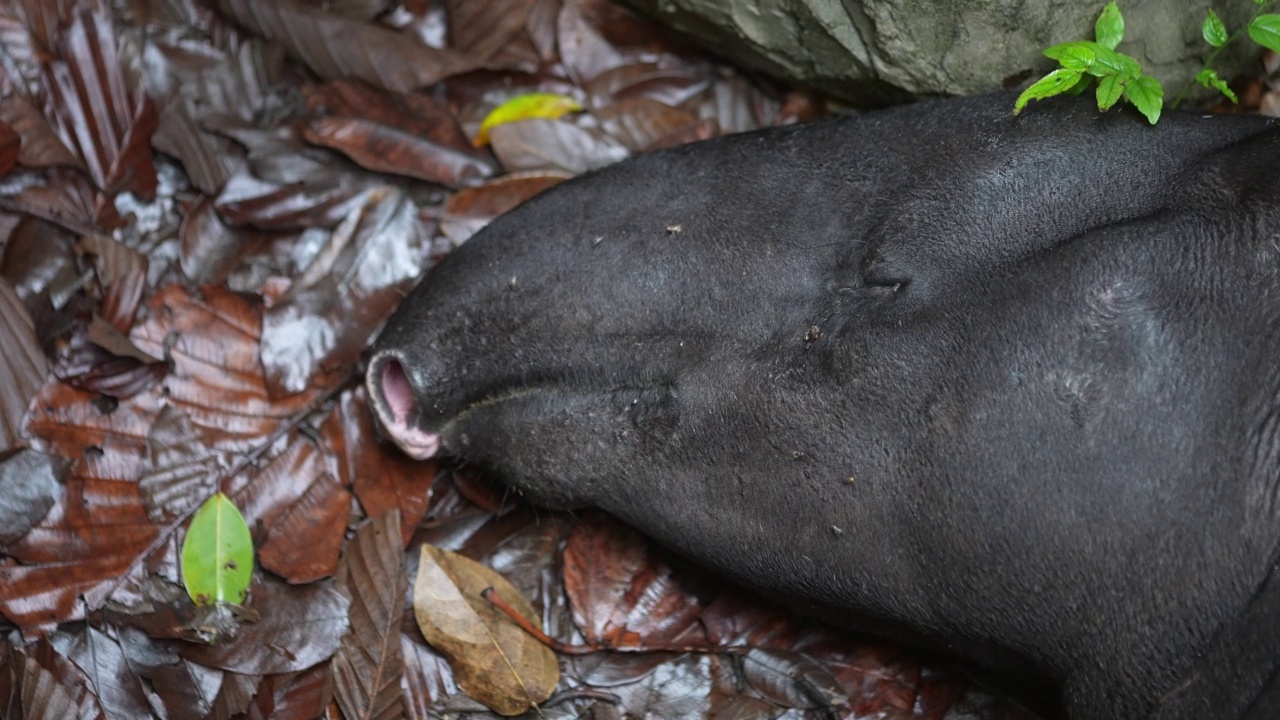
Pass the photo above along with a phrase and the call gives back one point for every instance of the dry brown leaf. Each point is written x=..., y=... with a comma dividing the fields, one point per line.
x=369, y=664
x=493, y=660
x=22, y=364
x=336, y=47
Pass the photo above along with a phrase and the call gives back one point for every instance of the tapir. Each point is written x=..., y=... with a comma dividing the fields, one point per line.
x=1007, y=387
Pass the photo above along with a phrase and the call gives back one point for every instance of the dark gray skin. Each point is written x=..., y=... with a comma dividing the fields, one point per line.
x=1005, y=387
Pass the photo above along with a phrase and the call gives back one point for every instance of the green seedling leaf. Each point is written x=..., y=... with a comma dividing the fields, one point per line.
x=530, y=106
x=1265, y=30
x=1105, y=61
x=1076, y=56
x=1209, y=78
x=1110, y=88
x=1055, y=83
x=1109, y=30
x=1146, y=94
x=1214, y=32
x=217, y=554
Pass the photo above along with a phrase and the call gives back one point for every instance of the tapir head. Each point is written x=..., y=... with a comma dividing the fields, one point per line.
x=1004, y=385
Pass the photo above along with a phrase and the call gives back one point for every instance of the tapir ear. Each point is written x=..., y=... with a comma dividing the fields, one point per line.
x=395, y=404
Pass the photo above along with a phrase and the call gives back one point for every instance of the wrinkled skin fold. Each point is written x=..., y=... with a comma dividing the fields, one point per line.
x=1005, y=387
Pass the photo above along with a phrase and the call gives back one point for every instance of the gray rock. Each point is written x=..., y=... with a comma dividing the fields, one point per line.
x=872, y=52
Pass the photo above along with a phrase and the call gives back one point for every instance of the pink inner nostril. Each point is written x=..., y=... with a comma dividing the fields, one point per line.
x=397, y=401
x=397, y=391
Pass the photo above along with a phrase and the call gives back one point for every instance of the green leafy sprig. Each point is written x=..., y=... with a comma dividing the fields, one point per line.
x=1120, y=76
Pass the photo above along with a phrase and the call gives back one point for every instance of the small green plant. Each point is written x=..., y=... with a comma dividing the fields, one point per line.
x=1120, y=76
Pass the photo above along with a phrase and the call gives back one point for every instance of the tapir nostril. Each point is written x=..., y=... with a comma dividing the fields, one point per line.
x=394, y=403
x=396, y=391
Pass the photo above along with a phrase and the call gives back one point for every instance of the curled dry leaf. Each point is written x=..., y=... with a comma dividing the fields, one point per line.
x=210, y=249
x=369, y=665
x=22, y=364
x=403, y=134
x=336, y=47
x=493, y=660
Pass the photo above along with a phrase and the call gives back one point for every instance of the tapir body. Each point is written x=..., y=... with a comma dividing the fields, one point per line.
x=1007, y=387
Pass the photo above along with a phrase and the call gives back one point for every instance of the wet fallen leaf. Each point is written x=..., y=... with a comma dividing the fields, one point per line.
x=297, y=627
x=10, y=146
x=337, y=47
x=30, y=484
x=402, y=133
x=470, y=209
x=493, y=660
x=303, y=543
x=368, y=666
x=621, y=593
x=21, y=362
x=553, y=145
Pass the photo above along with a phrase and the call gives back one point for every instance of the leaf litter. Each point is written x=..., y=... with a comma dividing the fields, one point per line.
x=207, y=210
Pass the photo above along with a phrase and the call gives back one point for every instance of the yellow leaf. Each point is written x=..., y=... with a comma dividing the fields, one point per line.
x=530, y=106
x=493, y=660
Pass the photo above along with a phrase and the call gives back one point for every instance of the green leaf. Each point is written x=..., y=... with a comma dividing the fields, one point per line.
x=1210, y=79
x=1109, y=30
x=1077, y=56
x=1105, y=60
x=1110, y=88
x=217, y=554
x=1055, y=83
x=1265, y=30
x=529, y=106
x=1146, y=94
x=1214, y=32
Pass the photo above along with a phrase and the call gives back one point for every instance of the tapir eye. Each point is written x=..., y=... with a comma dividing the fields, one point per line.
x=878, y=272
